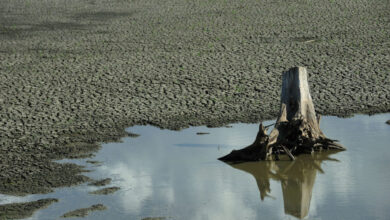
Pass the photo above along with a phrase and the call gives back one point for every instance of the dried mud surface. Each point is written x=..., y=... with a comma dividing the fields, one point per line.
x=75, y=73
x=84, y=211
x=23, y=210
x=105, y=191
x=101, y=182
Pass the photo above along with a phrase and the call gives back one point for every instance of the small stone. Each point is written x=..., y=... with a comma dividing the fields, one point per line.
x=93, y=162
x=202, y=133
x=154, y=218
x=132, y=135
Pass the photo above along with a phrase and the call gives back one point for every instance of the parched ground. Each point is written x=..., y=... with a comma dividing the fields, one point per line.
x=74, y=73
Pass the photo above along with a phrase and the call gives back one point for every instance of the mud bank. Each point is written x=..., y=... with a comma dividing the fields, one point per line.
x=23, y=210
x=84, y=211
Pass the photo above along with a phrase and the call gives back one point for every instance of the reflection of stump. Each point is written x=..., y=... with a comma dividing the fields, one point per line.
x=297, y=187
x=297, y=128
x=297, y=179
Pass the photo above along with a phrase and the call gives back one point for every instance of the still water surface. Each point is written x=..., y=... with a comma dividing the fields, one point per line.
x=175, y=174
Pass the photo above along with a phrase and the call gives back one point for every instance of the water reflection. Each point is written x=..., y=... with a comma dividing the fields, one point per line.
x=176, y=175
x=296, y=177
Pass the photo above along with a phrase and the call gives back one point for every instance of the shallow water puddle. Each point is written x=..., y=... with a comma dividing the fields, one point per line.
x=176, y=175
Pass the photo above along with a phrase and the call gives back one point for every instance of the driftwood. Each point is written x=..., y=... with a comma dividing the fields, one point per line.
x=296, y=130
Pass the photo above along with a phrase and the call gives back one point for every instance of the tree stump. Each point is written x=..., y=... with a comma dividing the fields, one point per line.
x=296, y=130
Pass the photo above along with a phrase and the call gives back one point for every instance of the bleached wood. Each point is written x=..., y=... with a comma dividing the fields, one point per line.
x=296, y=129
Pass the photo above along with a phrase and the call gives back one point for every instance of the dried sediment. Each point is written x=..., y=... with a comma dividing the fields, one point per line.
x=84, y=211
x=23, y=210
x=75, y=74
x=105, y=191
x=102, y=182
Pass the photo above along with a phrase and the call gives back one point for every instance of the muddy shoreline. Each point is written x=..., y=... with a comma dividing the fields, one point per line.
x=76, y=74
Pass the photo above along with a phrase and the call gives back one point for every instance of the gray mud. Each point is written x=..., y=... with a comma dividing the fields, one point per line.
x=84, y=211
x=94, y=162
x=202, y=133
x=75, y=73
x=102, y=182
x=23, y=210
x=105, y=191
x=154, y=218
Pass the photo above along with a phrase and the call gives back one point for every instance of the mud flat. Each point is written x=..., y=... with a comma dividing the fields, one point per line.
x=102, y=182
x=23, y=210
x=105, y=191
x=76, y=73
x=84, y=211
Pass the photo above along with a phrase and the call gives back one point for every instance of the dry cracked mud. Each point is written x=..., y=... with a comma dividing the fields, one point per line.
x=84, y=211
x=75, y=73
x=105, y=191
x=101, y=182
x=23, y=210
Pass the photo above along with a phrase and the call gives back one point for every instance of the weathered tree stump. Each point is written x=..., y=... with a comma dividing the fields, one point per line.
x=296, y=130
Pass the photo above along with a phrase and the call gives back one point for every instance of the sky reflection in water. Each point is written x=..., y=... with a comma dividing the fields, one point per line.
x=176, y=175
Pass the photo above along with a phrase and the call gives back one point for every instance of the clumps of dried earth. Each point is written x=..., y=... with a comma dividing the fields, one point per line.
x=102, y=182
x=75, y=73
x=105, y=191
x=84, y=211
x=23, y=210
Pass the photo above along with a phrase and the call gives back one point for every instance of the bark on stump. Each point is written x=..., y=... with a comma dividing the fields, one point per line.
x=296, y=130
